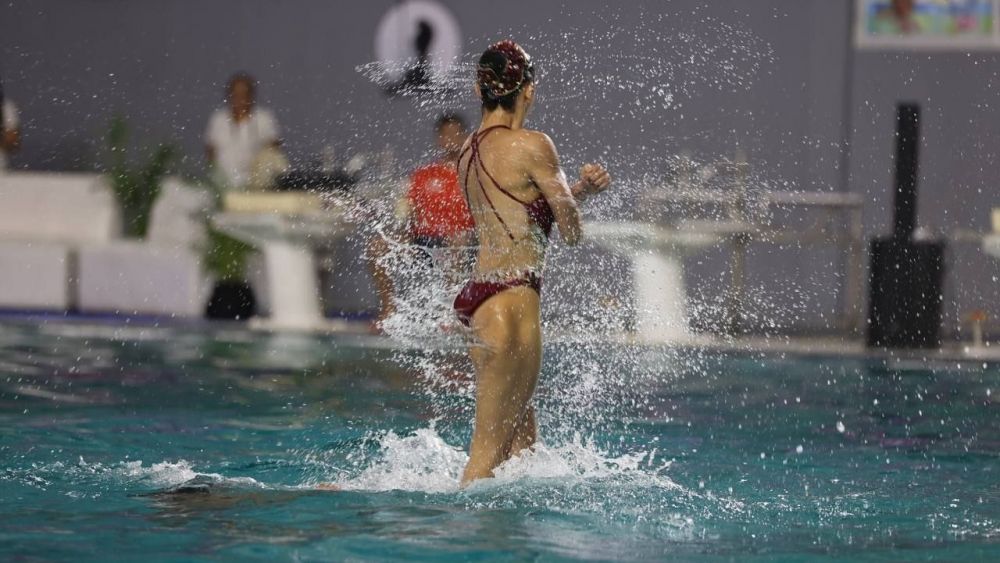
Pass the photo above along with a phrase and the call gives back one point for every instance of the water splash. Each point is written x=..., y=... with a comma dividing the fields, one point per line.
x=617, y=92
x=639, y=71
x=424, y=462
x=126, y=475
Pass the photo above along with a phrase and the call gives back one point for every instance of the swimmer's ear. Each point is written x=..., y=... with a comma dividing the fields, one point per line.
x=477, y=91
x=529, y=93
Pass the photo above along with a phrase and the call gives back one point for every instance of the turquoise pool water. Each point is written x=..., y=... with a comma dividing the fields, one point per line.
x=121, y=442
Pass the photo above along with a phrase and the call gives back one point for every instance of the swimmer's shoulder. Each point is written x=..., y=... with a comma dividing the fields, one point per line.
x=532, y=138
x=535, y=144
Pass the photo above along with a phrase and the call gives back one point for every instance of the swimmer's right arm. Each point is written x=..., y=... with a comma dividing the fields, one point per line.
x=546, y=173
x=594, y=179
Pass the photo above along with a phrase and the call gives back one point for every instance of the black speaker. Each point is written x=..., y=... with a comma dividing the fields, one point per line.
x=906, y=293
x=904, y=309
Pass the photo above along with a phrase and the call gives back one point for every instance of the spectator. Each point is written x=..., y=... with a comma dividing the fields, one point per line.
x=434, y=210
x=240, y=135
x=10, y=129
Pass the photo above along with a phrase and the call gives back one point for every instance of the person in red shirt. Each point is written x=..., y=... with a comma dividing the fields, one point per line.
x=435, y=207
x=434, y=210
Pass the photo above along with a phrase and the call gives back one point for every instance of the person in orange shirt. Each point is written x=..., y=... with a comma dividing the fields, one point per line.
x=434, y=210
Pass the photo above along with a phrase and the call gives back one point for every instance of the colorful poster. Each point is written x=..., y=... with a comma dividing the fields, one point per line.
x=933, y=24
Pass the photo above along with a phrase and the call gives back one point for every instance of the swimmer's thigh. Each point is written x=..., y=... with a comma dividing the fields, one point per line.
x=508, y=328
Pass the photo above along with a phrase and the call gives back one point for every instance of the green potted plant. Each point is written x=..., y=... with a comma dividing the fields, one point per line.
x=136, y=187
x=225, y=259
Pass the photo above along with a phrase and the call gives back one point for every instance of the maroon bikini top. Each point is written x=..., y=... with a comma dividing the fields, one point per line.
x=538, y=210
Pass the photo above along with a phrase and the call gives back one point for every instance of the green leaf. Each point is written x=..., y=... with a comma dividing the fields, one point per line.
x=136, y=189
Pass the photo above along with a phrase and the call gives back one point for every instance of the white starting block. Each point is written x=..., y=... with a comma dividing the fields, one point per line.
x=991, y=245
x=288, y=291
x=657, y=273
x=141, y=278
x=161, y=275
x=44, y=217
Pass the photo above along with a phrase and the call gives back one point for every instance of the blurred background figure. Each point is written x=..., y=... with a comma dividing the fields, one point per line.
x=242, y=139
x=10, y=128
x=898, y=18
x=434, y=209
x=419, y=75
x=434, y=213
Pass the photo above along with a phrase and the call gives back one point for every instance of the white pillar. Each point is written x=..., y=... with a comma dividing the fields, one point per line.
x=660, y=297
x=292, y=288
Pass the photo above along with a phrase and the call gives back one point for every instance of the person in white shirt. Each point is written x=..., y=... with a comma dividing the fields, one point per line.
x=238, y=134
x=10, y=129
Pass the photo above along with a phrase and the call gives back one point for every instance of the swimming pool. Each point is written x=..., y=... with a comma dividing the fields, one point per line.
x=203, y=443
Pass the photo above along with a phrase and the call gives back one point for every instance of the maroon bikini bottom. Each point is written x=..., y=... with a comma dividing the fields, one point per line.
x=475, y=293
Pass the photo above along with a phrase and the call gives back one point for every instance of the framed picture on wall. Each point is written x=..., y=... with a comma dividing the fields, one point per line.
x=927, y=24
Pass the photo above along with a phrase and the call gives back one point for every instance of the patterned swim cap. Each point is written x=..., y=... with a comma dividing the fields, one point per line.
x=503, y=69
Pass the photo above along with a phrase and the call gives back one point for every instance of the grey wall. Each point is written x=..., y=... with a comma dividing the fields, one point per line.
x=71, y=64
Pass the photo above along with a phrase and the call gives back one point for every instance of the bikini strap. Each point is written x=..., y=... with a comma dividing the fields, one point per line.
x=474, y=148
x=475, y=142
x=476, y=162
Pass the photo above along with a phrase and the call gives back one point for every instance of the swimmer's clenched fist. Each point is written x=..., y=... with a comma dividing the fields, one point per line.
x=594, y=179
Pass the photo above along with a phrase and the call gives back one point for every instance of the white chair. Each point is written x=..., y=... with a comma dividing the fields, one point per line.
x=161, y=275
x=43, y=218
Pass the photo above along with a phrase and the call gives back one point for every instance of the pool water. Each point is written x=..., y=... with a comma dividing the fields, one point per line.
x=121, y=442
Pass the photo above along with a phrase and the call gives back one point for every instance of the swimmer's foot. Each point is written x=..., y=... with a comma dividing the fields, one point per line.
x=329, y=487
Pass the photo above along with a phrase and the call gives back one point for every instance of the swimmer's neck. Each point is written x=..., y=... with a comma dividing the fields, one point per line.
x=500, y=117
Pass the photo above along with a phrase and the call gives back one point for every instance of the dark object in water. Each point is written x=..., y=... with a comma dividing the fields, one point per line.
x=199, y=485
x=189, y=488
x=211, y=495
